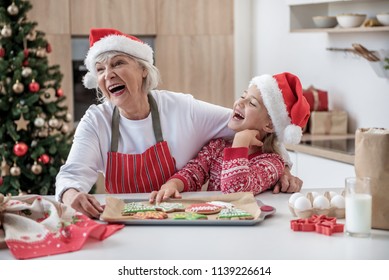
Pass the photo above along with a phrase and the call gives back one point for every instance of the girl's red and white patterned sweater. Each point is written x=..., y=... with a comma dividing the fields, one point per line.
x=231, y=169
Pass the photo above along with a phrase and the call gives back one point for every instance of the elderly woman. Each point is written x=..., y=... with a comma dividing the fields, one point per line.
x=137, y=137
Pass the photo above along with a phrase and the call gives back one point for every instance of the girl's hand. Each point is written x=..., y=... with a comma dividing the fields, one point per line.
x=247, y=138
x=171, y=188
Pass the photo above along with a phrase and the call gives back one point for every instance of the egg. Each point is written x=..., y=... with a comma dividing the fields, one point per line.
x=302, y=203
x=338, y=201
x=332, y=194
x=321, y=202
x=314, y=194
x=293, y=197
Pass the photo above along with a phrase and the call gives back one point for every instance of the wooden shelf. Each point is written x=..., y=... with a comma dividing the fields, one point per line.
x=301, y=13
x=343, y=30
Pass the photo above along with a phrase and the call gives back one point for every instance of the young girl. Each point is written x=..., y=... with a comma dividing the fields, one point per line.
x=273, y=110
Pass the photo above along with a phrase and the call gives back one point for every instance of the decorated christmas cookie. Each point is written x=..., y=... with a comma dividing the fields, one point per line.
x=189, y=216
x=169, y=207
x=222, y=204
x=150, y=215
x=203, y=208
x=234, y=214
x=131, y=208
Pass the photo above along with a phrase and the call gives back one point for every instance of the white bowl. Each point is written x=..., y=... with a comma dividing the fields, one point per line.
x=350, y=20
x=324, y=21
x=383, y=18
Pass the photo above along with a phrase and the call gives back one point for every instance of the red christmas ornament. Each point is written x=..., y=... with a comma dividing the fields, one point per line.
x=59, y=92
x=44, y=159
x=48, y=48
x=20, y=149
x=2, y=52
x=25, y=62
x=34, y=86
x=25, y=52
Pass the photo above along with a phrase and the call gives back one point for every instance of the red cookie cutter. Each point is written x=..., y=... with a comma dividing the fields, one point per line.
x=319, y=223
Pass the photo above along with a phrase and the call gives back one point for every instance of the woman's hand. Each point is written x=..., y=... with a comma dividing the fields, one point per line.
x=288, y=183
x=171, y=188
x=82, y=202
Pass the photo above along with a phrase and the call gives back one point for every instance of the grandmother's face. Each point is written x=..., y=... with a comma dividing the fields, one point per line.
x=120, y=79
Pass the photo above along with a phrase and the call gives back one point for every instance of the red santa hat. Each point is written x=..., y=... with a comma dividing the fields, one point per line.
x=103, y=40
x=283, y=98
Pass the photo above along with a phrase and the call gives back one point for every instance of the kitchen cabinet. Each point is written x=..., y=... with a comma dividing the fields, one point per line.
x=318, y=172
x=302, y=11
x=130, y=16
x=193, y=46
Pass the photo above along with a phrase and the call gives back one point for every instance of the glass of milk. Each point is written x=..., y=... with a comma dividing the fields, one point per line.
x=358, y=206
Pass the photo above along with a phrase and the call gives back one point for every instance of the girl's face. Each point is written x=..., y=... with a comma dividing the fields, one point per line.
x=249, y=112
x=120, y=79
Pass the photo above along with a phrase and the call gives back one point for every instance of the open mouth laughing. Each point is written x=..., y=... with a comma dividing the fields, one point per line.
x=116, y=89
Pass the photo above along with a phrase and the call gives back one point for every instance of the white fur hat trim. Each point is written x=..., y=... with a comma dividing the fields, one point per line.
x=120, y=43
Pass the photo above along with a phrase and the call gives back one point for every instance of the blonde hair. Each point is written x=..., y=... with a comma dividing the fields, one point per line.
x=270, y=144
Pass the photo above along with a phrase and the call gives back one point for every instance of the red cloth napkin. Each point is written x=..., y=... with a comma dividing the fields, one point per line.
x=32, y=226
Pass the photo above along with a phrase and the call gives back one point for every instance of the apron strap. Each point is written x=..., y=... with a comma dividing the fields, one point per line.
x=154, y=117
x=115, y=129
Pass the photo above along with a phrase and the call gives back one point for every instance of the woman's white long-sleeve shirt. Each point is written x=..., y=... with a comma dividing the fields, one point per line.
x=187, y=125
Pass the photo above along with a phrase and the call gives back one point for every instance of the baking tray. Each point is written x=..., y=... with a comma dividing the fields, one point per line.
x=154, y=222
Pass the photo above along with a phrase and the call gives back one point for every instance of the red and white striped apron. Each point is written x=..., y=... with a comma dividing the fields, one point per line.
x=138, y=173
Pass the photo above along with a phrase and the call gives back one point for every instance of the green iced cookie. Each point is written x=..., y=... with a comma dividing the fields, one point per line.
x=234, y=213
x=189, y=216
x=134, y=207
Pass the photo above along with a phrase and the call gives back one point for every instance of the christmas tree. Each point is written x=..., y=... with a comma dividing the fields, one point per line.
x=35, y=129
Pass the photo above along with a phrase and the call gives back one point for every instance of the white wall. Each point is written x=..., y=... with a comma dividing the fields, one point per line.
x=351, y=83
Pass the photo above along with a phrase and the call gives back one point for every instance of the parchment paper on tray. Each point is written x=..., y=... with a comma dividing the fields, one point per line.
x=244, y=200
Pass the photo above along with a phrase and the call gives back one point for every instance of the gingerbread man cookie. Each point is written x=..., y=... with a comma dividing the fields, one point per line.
x=169, y=207
x=203, y=208
x=150, y=215
x=234, y=214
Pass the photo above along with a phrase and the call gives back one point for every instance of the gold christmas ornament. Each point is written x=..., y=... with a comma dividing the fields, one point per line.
x=36, y=168
x=15, y=170
x=18, y=87
x=21, y=123
x=6, y=31
x=53, y=122
x=65, y=128
x=26, y=72
x=68, y=117
x=12, y=9
x=39, y=122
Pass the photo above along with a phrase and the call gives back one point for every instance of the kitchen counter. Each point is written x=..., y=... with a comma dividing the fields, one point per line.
x=271, y=239
x=335, y=147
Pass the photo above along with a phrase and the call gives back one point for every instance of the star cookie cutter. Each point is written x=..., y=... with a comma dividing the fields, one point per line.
x=318, y=223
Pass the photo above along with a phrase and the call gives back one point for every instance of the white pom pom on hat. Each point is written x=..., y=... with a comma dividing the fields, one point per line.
x=105, y=39
x=283, y=98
